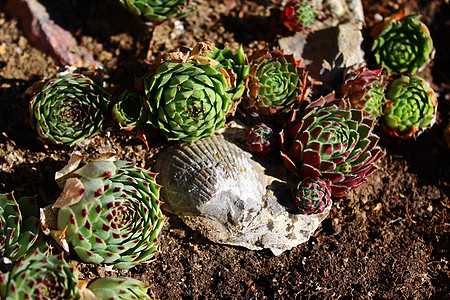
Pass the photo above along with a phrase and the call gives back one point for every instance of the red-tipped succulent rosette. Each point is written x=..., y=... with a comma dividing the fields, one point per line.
x=331, y=141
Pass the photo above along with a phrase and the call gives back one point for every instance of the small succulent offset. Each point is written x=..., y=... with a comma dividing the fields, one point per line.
x=40, y=276
x=365, y=89
x=313, y=195
x=129, y=110
x=411, y=107
x=260, y=139
x=276, y=82
x=402, y=44
x=109, y=212
x=298, y=15
x=19, y=225
x=117, y=288
x=331, y=141
x=68, y=109
x=187, y=96
x=237, y=66
x=157, y=11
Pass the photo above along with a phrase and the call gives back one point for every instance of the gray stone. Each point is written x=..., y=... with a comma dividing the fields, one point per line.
x=333, y=43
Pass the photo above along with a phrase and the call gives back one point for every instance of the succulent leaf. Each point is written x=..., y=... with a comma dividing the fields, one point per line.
x=313, y=195
x=236, y=64
x=19, y=225
x=402, y=44
x=411, y=107
x=187, y=100
x=40, y=276
x=298, y=15
x=68, y=109
x=331, y=141
x=157, y=11
x=118, y=218
x=119, y=288
x=365, y=89
x=276, y=82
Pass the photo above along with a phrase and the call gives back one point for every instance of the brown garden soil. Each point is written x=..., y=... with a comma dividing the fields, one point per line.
x=388, y=239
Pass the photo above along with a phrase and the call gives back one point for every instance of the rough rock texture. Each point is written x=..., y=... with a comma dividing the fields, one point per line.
x=217, y=188
x=334, y=42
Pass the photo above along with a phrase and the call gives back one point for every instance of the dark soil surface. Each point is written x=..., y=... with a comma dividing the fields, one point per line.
x=388, y=239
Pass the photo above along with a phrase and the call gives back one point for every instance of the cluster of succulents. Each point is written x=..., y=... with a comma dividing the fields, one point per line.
x=327, y=142
x=42, y=275
x=403, y=46
x=108, y=212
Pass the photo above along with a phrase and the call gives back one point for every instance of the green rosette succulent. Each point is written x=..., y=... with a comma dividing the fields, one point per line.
x=298, y=15
x=402, y=44
x=331, y=141
x=68, y=109
x=411, y=107
x=157, y=11
x=187, y=100
x=312, y=195
x=236, y=64
x=129, y=110
x=276, y=82
x=118, y=288
x=40, y=276
x=110, y=213
x=365, y=89
x=19, y=225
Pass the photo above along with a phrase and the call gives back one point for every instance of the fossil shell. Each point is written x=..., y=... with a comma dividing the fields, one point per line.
x=217, y=188
x=212, y=178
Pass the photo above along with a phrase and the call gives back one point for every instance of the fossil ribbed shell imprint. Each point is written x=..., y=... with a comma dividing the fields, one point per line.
x=217, y=189
x=214, y=178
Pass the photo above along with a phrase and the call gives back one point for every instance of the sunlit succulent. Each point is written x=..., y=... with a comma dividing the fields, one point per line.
x=298, y=15
x=40, y=276
x=187, y=100
x=157, y=11
x=110, y=213
x=19, y=225
x=68, y=109
x=402, y=44
x=312, y=195
x=260, y=139
x=129, y=110
x=411, y=107
x=365, y=89
x=236, y=64
x=331, y=141
x=276, y=82
x=119, y=288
